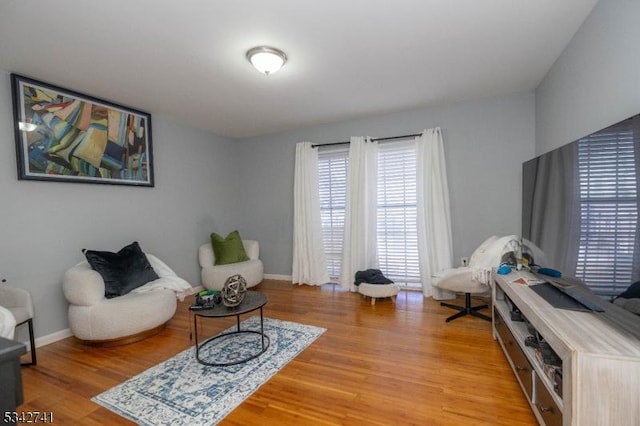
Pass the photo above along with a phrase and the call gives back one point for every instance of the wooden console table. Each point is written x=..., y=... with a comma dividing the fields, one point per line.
x=600, y=382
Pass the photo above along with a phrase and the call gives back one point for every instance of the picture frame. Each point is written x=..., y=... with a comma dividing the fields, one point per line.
x=66, y=136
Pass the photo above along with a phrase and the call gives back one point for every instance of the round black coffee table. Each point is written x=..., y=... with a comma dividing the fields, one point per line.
x=253, y=300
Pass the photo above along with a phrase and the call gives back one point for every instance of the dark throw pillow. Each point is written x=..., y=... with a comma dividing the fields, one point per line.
x=122, y=271
x=228, y=250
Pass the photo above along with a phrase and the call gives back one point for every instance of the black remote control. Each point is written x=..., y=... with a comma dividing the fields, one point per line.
x=200, y=307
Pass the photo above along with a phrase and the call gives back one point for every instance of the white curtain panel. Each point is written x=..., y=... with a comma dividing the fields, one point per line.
x=309, y=263
x=434, y=213
x=359, y=247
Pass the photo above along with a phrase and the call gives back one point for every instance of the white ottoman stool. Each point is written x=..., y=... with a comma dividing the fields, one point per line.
x=377, y=291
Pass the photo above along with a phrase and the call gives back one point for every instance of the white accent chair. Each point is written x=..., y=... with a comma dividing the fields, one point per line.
x=475, y=278
x=20, y=304
x=213, y=276
x=96, y=320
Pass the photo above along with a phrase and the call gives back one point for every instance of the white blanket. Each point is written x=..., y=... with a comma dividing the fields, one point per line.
x=175, y=283
x=7, y=323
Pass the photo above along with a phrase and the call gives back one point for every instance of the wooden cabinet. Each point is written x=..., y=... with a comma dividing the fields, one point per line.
x=600, y=364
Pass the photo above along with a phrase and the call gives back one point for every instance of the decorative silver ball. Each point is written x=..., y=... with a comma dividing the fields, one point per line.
x=234, y=290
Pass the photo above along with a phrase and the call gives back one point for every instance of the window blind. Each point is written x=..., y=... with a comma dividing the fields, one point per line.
x=332, y=180
x=608, y=210
x=397, y=232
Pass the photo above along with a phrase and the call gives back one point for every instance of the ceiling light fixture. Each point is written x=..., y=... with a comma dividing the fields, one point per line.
x=266, y=59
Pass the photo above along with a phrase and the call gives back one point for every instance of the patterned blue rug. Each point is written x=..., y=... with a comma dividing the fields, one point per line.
x=181, y=391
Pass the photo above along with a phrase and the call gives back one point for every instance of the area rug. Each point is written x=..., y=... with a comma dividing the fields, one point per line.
x=181, y=391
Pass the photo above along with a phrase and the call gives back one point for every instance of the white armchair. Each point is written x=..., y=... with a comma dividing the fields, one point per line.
x=96, y=320
x=213, y=276
x=20, y=304
x=475, y=278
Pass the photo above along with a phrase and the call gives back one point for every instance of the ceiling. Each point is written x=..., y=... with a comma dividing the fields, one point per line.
x=347, y=58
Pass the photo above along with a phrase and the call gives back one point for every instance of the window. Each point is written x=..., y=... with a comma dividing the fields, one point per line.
x=332, y=177
x=397, y=213
x=397, y=234
x=608, y=209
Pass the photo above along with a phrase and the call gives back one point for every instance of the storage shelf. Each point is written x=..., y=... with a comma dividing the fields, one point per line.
x=600, y=363
x=520, y=332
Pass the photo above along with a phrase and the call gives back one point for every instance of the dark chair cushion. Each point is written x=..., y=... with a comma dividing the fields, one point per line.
x=122, y=271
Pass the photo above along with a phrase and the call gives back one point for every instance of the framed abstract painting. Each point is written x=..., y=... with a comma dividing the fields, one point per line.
x=65, y=136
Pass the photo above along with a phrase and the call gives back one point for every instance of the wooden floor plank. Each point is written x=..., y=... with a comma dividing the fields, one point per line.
x=388, y=364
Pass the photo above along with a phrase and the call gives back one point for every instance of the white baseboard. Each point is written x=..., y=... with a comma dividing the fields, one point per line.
x=22, y=336
x=278, y=277
x=53, y=337
x=45, y=340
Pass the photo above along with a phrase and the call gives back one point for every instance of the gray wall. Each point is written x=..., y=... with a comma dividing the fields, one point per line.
x=207, y=183
x=596, y=80
x=486, y=142
x=44, y=225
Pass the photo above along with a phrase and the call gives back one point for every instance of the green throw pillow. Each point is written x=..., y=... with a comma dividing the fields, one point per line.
x=228, y=250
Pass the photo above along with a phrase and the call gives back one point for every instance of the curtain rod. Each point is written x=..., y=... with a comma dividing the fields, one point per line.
x=375, y=139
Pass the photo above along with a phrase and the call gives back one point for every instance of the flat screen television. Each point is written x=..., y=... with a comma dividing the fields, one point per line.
x=581, y=207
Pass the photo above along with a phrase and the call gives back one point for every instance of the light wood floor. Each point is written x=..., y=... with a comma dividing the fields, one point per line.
x=388, y=364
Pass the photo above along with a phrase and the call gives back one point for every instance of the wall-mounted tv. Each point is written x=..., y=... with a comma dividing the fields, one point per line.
x=581, y=206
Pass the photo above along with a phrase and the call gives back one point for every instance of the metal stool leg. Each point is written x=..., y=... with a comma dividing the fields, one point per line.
x=466, y=310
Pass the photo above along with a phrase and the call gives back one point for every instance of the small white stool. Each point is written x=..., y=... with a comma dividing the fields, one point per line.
x=377, y=291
